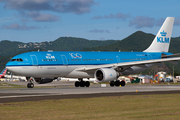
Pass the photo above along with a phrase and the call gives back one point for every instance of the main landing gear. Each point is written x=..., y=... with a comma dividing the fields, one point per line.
x=30, y=84
x=82, y=83
x=117, y=83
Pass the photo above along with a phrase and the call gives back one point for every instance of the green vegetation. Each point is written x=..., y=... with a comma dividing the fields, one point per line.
x=4, y=85
x=8, y=48
x=138, y=41
x=134, y=107
x=75, y=44
x=3, y=61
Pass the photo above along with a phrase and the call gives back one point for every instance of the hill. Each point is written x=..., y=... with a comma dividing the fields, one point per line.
x=138, y=41
x=8, y=48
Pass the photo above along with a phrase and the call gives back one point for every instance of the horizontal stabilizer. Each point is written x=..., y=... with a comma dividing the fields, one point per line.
x=166, y=56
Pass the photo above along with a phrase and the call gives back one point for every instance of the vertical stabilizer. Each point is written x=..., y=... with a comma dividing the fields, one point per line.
x=162, y=40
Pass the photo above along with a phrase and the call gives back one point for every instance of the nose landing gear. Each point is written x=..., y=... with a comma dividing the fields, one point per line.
x=30, y=84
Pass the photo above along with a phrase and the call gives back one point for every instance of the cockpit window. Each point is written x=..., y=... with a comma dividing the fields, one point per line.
x=14, y=60
x=18, y=59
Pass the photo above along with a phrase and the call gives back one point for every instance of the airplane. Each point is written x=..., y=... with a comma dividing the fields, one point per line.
x=45, y=66
x=3, y=73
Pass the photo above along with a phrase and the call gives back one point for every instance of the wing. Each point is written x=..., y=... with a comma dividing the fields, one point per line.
x=127, y=64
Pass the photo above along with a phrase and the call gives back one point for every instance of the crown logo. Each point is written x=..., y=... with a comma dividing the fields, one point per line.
x=163, y=33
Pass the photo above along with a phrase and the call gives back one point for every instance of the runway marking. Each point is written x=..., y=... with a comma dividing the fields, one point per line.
x=15, y=96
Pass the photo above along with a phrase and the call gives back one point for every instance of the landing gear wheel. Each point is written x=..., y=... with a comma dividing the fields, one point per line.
x=123, y=83
x=112, y=83
x=77, y=84
x=30, y=85
x=87, y=83
x=82, y=84
x=117, y=83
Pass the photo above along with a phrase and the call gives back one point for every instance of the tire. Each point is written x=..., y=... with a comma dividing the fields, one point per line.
x=117, y=83
x=87, y=83
x=31, y=85
x=123, y=83
x=112, y=83
x=82, y=84
x=77, y=84
x=28, y=85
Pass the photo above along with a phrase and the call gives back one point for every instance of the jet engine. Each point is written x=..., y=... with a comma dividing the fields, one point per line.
x=105, y=74
x=43, y=80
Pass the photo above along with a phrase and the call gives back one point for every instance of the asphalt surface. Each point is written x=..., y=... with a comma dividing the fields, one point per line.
x=66, y=90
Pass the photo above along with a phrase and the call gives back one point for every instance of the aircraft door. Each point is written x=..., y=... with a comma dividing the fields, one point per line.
x=64, y=60
x=118, y=59
x=149, y=56
x=34, y=60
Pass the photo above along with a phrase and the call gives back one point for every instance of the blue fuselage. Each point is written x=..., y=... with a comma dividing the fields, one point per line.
x=57, y=64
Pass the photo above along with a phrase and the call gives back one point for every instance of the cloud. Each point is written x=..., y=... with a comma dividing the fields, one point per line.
x=160, y=21
x=112, y=16
x=177, y=21
x=16, y=26
x=41, y=17
x=99, y=31
x=142, y=21
x=64, y=6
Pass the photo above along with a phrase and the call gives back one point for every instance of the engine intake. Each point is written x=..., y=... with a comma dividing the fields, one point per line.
x=105, y=74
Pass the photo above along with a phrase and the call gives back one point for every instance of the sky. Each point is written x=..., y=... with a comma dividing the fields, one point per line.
x=46, y=20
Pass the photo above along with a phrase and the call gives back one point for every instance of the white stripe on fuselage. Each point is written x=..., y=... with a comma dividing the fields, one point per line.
x=64, y=71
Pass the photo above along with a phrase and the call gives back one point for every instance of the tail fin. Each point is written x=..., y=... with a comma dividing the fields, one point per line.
x=162, y=40
x=4, y=72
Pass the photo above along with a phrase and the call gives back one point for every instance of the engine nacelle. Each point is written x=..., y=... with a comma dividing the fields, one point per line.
x=105, y=74
x=43, y=80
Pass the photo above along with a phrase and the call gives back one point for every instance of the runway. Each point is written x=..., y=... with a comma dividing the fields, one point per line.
x=66, y=90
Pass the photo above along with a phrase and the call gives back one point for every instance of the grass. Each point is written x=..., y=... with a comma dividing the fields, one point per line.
x=4, y=85
x=136, y=107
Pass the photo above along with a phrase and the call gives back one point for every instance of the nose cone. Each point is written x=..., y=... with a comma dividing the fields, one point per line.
x=9, y=66
x=13, y=69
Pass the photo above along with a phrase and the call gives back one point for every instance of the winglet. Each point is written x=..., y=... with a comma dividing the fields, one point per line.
x=162, y=40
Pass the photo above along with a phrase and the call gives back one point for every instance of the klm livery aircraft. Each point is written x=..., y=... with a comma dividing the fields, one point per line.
x=44, y=67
